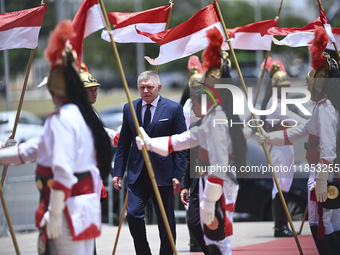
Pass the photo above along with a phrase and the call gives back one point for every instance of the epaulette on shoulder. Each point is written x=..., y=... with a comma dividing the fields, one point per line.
x=322, y=101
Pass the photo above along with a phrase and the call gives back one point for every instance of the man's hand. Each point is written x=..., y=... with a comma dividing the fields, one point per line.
x=9, y=142
x=53, y=217
x=146, y=140
x=247, y=131
x=117, y=182
x=176, y=183
x=185, y=196
x=212, y=193
x=320, y=185
x=273, y=138
x=262, y=138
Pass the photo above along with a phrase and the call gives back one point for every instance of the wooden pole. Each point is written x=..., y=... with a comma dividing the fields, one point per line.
x=264, y=146
x=304, y=219
x=167, y=24
x=9, y=222
x=134, y=116
x=4, y=171
x=120, y=223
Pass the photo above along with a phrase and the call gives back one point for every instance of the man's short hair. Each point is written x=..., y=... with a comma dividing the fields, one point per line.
x=196, y=94
x=146, y=75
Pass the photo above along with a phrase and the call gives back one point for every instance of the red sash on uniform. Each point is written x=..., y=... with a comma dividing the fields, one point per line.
x=312, y=154
x=82, y=187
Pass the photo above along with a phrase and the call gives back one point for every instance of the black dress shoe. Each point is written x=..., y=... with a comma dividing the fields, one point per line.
x=195, y=248
x=283, y=232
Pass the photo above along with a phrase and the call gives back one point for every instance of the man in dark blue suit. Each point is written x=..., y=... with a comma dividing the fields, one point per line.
x=159, y=117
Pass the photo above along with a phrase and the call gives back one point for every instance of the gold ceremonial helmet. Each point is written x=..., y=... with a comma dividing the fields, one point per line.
x=87, y=78
x=222, y=70
x=194, y=78
x=315, y=78
x=56, y=78
x=279, y=77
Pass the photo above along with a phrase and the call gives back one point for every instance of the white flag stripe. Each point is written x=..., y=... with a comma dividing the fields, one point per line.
x=94, y=20
x=128, y=34
x=299, y=39
x=19, y=37
x=249, y=41
x=329, y=32
x=184, y=46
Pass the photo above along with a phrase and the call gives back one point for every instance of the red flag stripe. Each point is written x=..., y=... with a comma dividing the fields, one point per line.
x=290, y=30
x=260, y=27
x=123, y=19
x=25, y=18
x=202, y=19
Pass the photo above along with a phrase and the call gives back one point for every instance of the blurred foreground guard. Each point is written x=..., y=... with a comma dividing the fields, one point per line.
x=323, y=148
x=280, y=155
x=71, y=147
x=220, y=145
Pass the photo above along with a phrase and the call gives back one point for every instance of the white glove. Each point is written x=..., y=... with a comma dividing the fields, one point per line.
x=247, y=131
x=9, y=142
x=273, y=138
x=10, y=156
x=146, y=140
x=53, y=217
x=320, y=185
x=159, y=145
x=212, y=192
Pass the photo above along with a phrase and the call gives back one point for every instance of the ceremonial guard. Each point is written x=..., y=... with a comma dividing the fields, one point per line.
x=322, y=147
x=73, y=156
x=280, y=155
x=218, y=189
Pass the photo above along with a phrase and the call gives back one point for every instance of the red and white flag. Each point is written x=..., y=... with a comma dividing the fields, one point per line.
x=21, y=29
x=152, y=21
x=253, y=36
x=88, y=20
x=336, y=33
x=299, y=37
x=295, y=37
x=327, y=26
x=187, y=38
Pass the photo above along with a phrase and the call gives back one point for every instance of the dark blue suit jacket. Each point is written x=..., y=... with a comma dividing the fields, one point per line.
x=167, y=120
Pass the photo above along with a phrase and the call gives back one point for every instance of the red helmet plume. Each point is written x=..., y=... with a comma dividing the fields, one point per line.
x=211, y=56
x=57, y=41
x=319, y=44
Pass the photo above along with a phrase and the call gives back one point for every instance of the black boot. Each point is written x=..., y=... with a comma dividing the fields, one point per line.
x=213, y=249
x=330, y=245
x=280, y=219
x=194, y=246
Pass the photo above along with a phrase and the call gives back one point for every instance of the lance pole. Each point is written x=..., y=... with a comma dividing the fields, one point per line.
x=120, y=223
x=167, y=23
x=334, y=43
x=4, y=171
x=11, y=230
x=264, y=146
x=134, y=116
x=304, y=218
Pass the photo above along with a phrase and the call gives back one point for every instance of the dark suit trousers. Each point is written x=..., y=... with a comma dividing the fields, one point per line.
x=138, y=196
x=193, y=217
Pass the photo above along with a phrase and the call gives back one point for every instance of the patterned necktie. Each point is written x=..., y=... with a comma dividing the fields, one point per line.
x=147, y=116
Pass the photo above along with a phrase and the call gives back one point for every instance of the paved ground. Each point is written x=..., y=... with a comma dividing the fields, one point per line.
x=245, y=233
